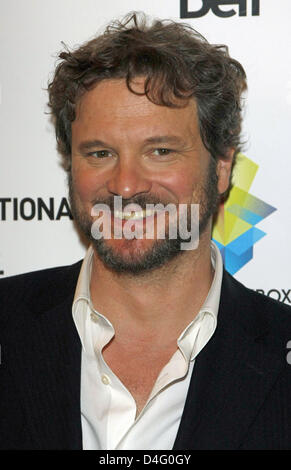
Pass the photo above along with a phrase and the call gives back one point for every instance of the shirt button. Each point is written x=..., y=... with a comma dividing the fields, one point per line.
x=105, y=379
x=94, y=317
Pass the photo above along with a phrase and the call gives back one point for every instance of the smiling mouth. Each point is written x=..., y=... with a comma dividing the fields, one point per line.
x=134, y=215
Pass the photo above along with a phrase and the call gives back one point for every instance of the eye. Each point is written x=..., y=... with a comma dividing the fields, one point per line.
x=162, y=152
x=100, y=154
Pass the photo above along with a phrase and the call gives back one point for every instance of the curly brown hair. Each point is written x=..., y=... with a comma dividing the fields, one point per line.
x=177, y=63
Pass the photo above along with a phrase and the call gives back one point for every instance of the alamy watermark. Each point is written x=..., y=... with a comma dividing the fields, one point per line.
x=156, y=221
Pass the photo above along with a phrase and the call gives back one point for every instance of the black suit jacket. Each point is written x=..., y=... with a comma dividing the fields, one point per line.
x=240, y=391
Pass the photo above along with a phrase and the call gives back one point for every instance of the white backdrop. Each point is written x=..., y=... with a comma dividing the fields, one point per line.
x=31, y=32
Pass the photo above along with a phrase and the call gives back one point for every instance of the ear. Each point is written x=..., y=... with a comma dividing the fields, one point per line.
x=223, y=171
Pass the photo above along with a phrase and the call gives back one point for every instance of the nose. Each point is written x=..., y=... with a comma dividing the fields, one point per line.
x=128, y=180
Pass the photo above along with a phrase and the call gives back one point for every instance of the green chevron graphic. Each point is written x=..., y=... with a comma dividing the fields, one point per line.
x=235, y=230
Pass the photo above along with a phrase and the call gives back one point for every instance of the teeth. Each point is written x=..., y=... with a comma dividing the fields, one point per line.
x=133, y=215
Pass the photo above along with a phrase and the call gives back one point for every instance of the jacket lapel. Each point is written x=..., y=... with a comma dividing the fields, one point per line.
x=231, y=376
x=47, y=362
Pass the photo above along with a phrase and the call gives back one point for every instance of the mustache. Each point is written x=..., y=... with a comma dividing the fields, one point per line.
x=141, y=200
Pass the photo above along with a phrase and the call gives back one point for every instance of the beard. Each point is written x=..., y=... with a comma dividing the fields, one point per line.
x=137, y=261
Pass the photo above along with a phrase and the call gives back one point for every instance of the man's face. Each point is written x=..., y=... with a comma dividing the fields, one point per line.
x=124, y=145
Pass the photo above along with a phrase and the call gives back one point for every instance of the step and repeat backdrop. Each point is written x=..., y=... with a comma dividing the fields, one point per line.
x=253, y=228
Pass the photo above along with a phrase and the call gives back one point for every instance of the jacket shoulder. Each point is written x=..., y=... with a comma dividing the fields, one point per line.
x=261, y=299
x=257, y=310
x=38, y=289
x=42, y=275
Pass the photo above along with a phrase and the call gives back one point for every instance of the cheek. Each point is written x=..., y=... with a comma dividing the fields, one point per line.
x=85, y=183
x=182, y=184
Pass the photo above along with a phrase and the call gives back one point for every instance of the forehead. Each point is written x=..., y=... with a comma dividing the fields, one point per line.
x=110, y=102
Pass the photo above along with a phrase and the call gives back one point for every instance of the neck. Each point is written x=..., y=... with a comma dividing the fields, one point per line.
x=168, y=297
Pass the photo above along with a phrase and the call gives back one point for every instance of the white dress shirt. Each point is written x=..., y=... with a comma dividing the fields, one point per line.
x=108, y=410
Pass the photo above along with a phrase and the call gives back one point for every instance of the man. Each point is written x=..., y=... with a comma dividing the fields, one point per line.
x=144, y=344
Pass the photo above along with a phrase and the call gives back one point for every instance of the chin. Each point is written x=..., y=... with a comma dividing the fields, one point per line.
x=135, y=256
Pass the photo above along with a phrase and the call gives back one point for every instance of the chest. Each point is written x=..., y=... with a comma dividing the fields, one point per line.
x=136, y=370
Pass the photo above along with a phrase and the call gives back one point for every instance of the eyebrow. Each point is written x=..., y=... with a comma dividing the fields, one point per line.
x=159, y=139
x=162, y=139
x=91, y=144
